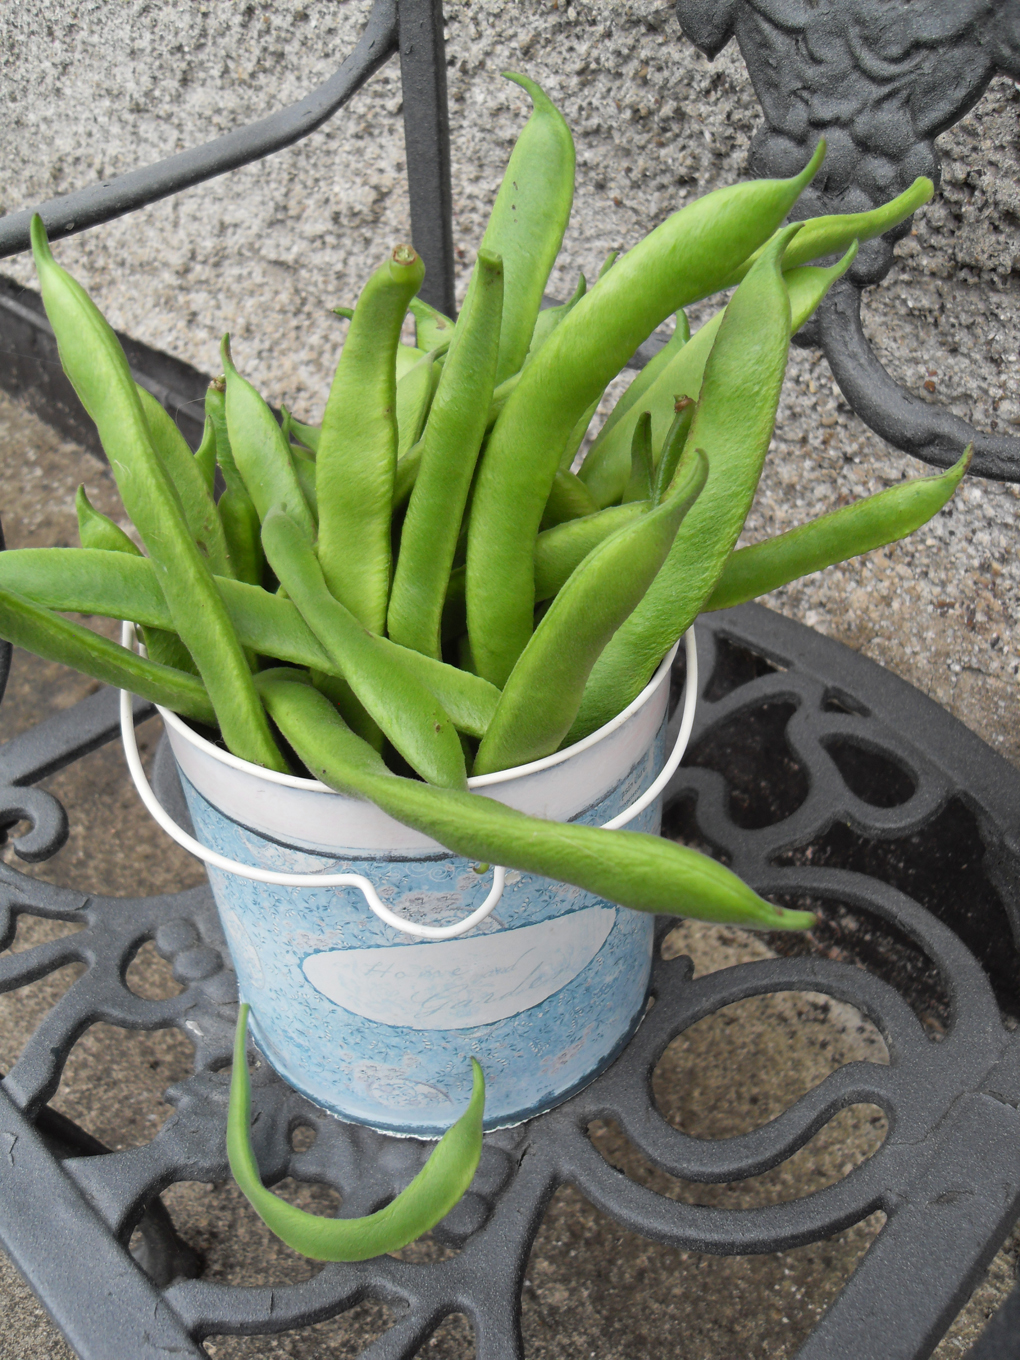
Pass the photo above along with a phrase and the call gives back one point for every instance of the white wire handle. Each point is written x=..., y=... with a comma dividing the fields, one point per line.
x=367, y=888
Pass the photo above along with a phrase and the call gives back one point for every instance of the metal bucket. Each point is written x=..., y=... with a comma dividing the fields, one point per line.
x=378, y=1027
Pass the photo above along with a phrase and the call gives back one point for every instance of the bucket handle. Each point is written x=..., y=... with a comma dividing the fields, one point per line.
x=218, y=861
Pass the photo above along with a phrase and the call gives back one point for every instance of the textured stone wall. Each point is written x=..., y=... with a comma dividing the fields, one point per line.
x=95, y=89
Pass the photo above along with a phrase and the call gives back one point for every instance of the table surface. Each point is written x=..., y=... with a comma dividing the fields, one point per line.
x=819, y=777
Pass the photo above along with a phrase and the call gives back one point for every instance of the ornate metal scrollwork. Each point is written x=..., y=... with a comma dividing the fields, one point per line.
x=879, y=82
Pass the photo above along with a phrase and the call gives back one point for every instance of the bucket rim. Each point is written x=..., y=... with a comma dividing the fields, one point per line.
x=293, y=781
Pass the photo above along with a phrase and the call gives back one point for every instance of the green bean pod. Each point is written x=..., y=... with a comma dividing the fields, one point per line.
x=577, y=434
x=430, y=1196
x=541, y=698
x=261, y=450
x=98, y=531
x=639, y=487
x=632, y=868
x=449, y=450
x=644, y=380
x=607, y=466
x=853, y=529
x=95, y=362
x=733, y=423
x=568, y=499
x=405, y=710
x=683, y=259
x=414, y=396
x=196, y=499
x=97, y=582
x=558, y=551
x=235, y=507
x=528, y=219
x=357, y=457
x=433, y=330
x=308, y=435
x=54, y=638
x=550, y=317
x=673, y=447
x=833, y=234
x=205, y=456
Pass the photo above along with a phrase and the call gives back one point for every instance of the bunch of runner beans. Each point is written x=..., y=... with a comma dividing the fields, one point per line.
x=429, y=579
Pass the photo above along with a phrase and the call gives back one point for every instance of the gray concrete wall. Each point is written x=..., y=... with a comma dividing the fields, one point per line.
x=93, y=90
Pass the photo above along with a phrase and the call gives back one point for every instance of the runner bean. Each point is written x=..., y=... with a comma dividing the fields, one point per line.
x=449, y=450
x=404, y=709
x=607, y=466
x=48, y=635
x=430, y=1196
x=847, y=532
x=236, y=510
x=93, y=359
x=632, y=868
x=543, y=693
x=733, y=424
x=357, y=457
x=683, y=259
x=528, y=219
x=261, y=451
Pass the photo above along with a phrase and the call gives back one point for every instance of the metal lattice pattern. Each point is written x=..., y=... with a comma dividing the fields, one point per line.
x=947, y=1175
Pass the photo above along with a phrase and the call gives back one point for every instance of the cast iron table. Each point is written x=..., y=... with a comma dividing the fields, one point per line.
x=822, y=779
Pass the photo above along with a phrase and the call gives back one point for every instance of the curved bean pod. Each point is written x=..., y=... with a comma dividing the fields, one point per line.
x=261, y=451
x=639, y=486
x=733, y=423
x=637, y=870
x=414, y=395
x=236, y=510
x=541, y=698
x=673, y=447
x=684, y=258
x=48, y=635
x=528, y=219
x=433, y=330
x=402, y=707
x=568, y=499
x=94, y=361
x=97, y=530
x=558, y=551
x=184, y=472
x=607, y=466
x=847, y=532
x=96, y=582
x=357, y=456
x=205, y=456
x=431, y=1195
x=834, y=233
x=306, y=434
x=449, y=450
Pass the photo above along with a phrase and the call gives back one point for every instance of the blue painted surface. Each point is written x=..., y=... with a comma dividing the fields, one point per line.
x=564, y=974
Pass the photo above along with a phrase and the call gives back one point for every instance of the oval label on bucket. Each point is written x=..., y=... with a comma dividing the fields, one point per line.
x=458, y=984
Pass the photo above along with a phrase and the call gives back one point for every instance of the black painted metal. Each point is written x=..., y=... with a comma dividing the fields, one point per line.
x=102, y=202
x=416, y=26
x=427, y=142
x=947, y=1176
x=879, y=82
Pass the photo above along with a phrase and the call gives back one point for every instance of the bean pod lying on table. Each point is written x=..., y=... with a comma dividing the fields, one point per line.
x=436, y=579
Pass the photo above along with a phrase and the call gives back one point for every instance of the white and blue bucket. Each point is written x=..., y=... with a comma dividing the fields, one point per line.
x=377, y=1025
